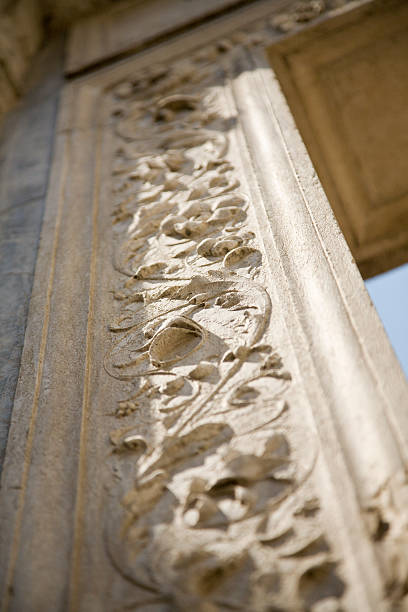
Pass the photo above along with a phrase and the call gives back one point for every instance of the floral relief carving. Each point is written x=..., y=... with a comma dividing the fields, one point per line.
x=387, y=521
x=211, y=504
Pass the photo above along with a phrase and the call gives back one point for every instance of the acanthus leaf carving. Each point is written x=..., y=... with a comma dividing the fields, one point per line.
x=214, y=507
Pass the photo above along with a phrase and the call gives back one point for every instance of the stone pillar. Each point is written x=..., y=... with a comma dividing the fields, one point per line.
x=209, y=415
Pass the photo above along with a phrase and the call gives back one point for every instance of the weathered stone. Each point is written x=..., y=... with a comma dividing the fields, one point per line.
x=209, y=415
x=12, y=55
x=129, y=27
x=20, y=36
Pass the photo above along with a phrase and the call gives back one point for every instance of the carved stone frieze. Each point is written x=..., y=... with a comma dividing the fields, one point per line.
x=214, y=508
x=209, y=414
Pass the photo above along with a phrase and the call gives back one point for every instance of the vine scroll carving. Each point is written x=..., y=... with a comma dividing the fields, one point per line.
x=212, y=469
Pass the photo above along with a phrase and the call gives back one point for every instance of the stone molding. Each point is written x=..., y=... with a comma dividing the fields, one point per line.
x=127, y=27
x=344, y=80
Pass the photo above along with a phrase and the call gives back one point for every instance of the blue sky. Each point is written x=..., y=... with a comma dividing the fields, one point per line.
x=389, y=292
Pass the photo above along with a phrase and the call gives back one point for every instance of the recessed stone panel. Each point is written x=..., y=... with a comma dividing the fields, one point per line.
x=345, y=81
